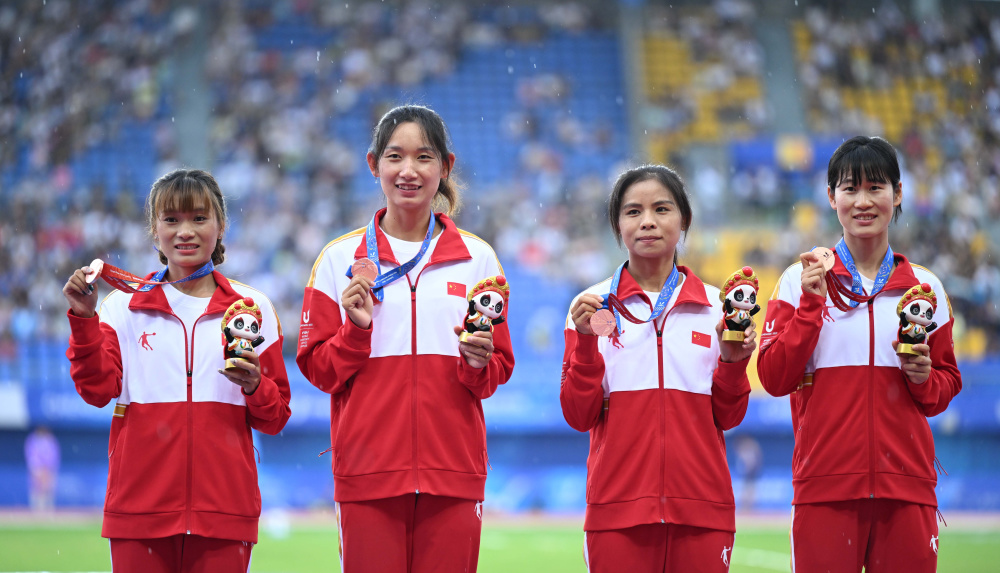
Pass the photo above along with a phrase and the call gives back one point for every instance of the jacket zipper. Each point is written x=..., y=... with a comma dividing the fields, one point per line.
x=413, y=390
x=188, y=367
x=663, y=422
x=871, y=399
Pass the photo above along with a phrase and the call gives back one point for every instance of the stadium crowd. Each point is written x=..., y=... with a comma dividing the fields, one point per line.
x=295, y=179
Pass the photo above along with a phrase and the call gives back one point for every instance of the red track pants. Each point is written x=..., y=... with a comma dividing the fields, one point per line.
x=180, y=554
x=410, y=533
x=883, y=535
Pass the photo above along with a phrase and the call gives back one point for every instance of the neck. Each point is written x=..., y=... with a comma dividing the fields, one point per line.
x=868, y=253
x=407, y=225
x=202, y=287
x=651, y=274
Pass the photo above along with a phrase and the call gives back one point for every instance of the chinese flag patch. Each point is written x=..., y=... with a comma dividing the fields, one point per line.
x=456, y=289
x=701, y=339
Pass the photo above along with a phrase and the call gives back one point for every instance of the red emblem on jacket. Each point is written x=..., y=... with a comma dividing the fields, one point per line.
x=456, y=289
x=701, y=339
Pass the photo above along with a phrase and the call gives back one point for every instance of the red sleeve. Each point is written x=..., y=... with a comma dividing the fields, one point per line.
x=730, y=393
x=330, y=351
x=788, y=342
x=483, y=382
x=582, y=391
x=945, y=380
x=267, y=407
x=95, y=361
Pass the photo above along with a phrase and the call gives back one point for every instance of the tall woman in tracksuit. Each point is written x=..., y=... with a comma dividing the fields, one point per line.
x=657, y=397
x=863, y=464
x=407, y=429
x=182, y=482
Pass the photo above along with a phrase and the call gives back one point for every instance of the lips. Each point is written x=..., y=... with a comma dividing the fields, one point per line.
x=186, y=247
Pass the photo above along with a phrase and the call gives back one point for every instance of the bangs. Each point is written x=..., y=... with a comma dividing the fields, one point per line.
x=864, y=162
x=183, y=195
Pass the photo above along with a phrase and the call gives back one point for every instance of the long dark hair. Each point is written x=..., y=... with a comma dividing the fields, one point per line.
x=873, y=157
x=435, y=133
x=662, y=174
x=185, y=190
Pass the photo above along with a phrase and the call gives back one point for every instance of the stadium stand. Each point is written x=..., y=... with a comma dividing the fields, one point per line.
x=538, y=103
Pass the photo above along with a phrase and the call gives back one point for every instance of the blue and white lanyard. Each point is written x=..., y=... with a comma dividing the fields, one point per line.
x=371, y=244
x=661, y=301
x=206, y=269
x=884, y=270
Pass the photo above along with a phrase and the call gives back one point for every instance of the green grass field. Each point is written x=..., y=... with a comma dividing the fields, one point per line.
x=507, y=545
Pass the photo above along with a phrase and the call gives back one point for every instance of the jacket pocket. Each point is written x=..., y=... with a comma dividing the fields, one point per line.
x=599, y=436
x=116, y=447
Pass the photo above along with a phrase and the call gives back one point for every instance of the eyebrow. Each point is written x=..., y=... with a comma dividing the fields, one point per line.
x=426, y=148
x=655, y=203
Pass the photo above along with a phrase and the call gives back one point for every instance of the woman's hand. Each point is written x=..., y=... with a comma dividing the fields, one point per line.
x=357, y=301
x=477, y=348
x=813, y=274
x=916, y=367
x=248, y=376
x=82, y=297
x=583, y=308
x=733, y=351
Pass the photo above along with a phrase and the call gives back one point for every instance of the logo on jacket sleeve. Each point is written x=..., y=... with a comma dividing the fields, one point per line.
x=934, y=540
x=701, y=339
x=479, y=511
x=144, y=340
x=456, y=289
x=725, y=555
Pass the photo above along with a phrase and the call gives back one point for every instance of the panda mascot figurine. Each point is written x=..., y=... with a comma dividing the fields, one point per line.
x=240, y=330
x=916, y=313
x=739, y=301
x=486, y=302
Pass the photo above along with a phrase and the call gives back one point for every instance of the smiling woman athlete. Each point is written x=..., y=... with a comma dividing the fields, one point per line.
x=182, y=483
x=863, y=464
x=406, y=428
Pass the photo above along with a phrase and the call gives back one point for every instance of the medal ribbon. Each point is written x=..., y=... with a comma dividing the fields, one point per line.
x=856, y=294
x=371, y=244
x=123, y=280
x=618, y=307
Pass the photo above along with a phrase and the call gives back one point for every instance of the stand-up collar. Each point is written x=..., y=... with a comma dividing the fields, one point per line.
x=692, y=289
x=156, y=299
x=902, y=276
x=450, y=246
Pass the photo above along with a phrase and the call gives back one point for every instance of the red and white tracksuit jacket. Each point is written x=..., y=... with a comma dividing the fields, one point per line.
x=405, y=409
x=180, y=455
x=656, y=409
x=860, y=425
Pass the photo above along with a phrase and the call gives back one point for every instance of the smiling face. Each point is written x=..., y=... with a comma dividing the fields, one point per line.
x=186, y=238
x=865, y=208
x=650, y=221
x=919, y=311
x=409, y=169
x=743, y=297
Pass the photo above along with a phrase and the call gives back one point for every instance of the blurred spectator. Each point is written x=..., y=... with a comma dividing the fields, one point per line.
x=41, y=455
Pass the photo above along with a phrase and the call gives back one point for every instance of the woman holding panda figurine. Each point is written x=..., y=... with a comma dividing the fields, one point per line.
x=863, y=464
x=407, y=430
x=182, y=481
x=656, y=394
